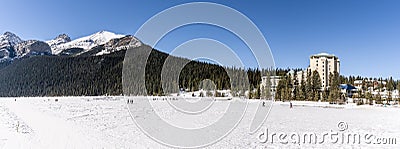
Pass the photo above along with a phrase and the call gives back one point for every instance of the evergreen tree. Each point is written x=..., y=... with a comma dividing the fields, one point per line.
x=279, y=95
x=302, y=89
x=316, y=85
x=334, y=90
x=370, y=98
x=378, y=98
x=288, y=88
x=309, y=87
x=250, y=94
x=325, y=94
x=398, y=89
x=390, y=87
x=296, y=93
x=262, y=89
x=266, y=90
x=258, y=93
x=364, y=87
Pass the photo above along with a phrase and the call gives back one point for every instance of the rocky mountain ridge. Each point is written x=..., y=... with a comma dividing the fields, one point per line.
x=13, y=47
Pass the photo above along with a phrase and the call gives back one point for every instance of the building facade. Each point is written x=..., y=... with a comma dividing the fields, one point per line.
x=270, y=82
x=324, y=64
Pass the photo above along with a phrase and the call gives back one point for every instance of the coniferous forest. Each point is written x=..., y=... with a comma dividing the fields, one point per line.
x=102, y=75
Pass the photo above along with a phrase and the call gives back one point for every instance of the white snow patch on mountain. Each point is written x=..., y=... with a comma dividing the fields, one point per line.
x=87, y=42
x=124, y=43
x=60, y=39
x=9, y=39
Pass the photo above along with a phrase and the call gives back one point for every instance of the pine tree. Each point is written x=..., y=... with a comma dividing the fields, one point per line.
x=390, y=87
x=334, y=91
x=250, y=94
x=398, y=89
x=369, y=97
x=288, y=88
x=262, y=96
x=296, y=93
x=267, y=90
x=279, y=89
x=325, y=95
x=309, y=87
x=302, y=90
x=316, y=85
x=378, y=98
x=258, y=93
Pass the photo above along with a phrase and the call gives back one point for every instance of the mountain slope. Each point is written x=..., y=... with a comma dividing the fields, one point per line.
x=12, y=47
x=85, y=43
x=93, y=66
x=7, y=42
x=32, y=48
x=62, y=76
x=96, y=75
x=60, y=39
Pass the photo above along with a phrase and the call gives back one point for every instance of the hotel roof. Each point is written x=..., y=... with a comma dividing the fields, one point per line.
x=323, y=55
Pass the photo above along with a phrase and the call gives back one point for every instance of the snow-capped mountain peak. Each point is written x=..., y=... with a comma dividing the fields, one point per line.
x=103, y=36
x=119, y=44
x=9, y=39
x=99, y=43
x=88, y=42
x=7, y=42
x=60, y=39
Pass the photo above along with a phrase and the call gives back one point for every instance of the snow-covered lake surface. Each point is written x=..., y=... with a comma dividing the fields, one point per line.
x=105, y=122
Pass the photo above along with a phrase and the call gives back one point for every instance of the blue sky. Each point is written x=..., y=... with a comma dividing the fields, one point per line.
x=364, y=34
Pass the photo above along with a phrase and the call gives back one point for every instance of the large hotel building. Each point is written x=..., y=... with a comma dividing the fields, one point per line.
x=324, y=64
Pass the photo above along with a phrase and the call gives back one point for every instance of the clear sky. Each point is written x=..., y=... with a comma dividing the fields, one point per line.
x=364, y=34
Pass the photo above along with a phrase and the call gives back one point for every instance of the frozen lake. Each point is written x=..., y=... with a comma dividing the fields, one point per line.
x=105, y=122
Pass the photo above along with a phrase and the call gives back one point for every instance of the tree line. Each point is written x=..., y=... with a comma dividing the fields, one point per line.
x=309, y=88
x=87, y=75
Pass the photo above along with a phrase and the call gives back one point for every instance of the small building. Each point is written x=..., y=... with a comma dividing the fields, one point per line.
x=348, y=90
x=358, y=84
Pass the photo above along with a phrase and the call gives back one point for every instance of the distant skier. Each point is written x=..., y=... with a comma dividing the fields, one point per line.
x=263, y=104
x=291, y=105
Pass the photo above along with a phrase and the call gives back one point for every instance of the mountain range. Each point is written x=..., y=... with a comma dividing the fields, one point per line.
x=90, y=65
x=13, y=47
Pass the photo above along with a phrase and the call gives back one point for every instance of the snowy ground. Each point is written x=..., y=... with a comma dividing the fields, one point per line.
x=104, y=122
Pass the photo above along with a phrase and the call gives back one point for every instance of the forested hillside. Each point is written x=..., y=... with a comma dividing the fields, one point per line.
x=62, y=76
x=102, y=75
